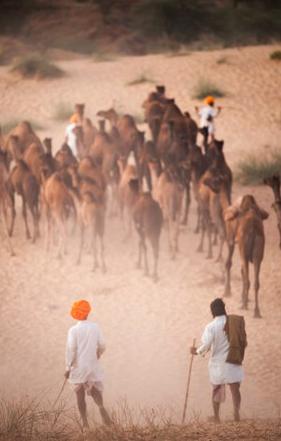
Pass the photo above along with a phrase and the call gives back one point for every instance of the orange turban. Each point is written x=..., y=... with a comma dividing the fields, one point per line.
x=209, y=100
x=74, y=119
x=80, y=310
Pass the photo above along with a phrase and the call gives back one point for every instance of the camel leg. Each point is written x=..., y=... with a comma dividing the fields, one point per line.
x=187, y=204
x=6, y=229
x=94, y=248
x=257, y=265
x=82, y=235
x=155, y=249
x=103, y=265
x=62, y=239
x=35, y=218
x=209, y=233
x=13, y=215
x=146, y=271
x=228, y=265
x=24, y=214
x=219, y=258
x=138, y=265
x=201, y=244
x=197, y=228
x=246, y=283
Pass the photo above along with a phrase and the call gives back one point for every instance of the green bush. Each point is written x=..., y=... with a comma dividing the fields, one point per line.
x=253, y=169
x=36, y=66
x=63, y=111
x=275, y=55
x=205, y=88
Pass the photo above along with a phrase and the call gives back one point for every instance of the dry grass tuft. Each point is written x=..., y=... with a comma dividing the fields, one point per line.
x=36, y=66
x=142, y=79
x=275, y=55
x=205, y=87
x=253, y=169
x=29, y=422
x=63, y=111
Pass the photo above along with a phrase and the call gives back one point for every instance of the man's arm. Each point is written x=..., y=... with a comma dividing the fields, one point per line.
x=71, y=348
x=206, y=343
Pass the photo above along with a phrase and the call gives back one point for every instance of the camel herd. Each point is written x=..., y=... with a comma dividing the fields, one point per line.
x=147, y=182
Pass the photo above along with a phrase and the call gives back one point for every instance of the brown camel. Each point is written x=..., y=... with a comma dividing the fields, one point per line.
x=58, y=203
x=64, y=157
x=126, y=194
x=250, y=237
x=40, y=161
x=169, y=193
x=126, y=127
x=148, y=220
x=92, y=217
x=209, y=201
x=24, y=183
x=5, y=198
x=274, y=183
x=25, y=135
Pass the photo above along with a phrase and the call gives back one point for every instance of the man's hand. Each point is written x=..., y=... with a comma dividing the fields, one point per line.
x=193, y=350
x=66, y=374
x=196, y=108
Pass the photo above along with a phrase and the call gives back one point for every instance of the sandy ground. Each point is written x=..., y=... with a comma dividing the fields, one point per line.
x=148, y=327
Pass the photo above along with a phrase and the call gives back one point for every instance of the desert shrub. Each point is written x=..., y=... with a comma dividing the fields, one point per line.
x=141, y=79
x=254, y=169
x=275, y=55
x=63, y=111
x=36, y=66
x=205, y=87
x=7, y=126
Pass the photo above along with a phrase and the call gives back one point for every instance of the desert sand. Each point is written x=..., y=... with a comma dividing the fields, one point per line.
x=148, y=327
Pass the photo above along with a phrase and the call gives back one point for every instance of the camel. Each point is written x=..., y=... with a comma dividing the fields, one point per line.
x=92, y=217
x=192, y=128
x=248, y=233
x=5, y=198
x=148, y=220
x=58, y=203
x=209, y=201
x=24, y=183
x=38, y=160
x=169, y=193
x=64, y=157
x=126, y=194
x=87, y=168
x=25, y=135
x=126, y=127
x=274, y=183
x=198, y=167
x=89, y=133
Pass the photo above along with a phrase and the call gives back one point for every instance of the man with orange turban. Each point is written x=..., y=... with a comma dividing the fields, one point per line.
x=84, y=347
x=207, y=114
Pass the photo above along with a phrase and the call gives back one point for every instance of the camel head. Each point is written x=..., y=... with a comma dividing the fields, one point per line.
x=161, y=90
x=80, y=108
x=110, y=114
x=101, y=124
x=48, y=144
x=26, y=126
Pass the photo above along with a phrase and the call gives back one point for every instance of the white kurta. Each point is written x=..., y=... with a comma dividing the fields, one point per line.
x=205, y=113
x=71, y=138
x=215, y=338
x=83, y=341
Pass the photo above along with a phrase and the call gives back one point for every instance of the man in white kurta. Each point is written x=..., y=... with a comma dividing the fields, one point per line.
x=221, y=373
x=84, y=347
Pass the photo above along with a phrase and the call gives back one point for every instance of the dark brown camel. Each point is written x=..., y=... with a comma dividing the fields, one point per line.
x=24, y=183
x=148, y=220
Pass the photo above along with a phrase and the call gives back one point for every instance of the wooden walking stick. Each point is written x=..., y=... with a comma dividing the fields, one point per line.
x=60, y=393
x=188, y=383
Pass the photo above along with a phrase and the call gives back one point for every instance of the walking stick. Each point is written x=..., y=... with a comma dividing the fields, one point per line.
x=60, y=393
x=188, y=384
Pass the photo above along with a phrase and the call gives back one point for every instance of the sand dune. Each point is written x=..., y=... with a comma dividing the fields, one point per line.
x=148, y=327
